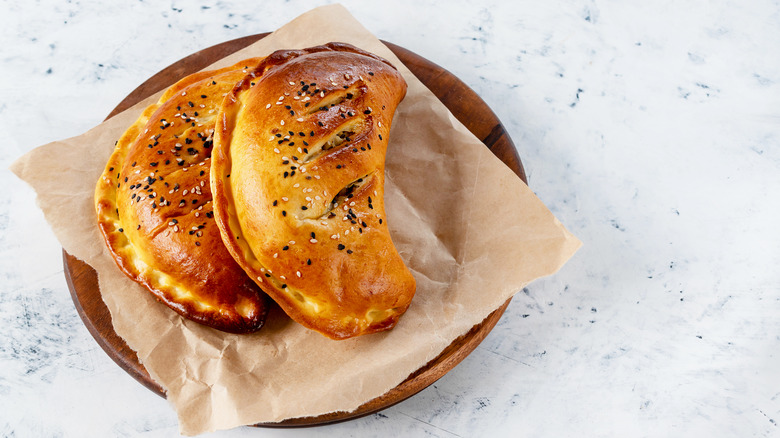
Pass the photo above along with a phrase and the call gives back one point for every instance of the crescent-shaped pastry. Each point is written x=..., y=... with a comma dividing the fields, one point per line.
x=154, y=207
x=298, y=179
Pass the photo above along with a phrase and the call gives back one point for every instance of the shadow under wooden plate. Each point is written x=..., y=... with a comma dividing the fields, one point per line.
x=461, y=101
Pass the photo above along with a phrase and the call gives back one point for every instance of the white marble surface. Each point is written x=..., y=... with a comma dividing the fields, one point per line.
x=651, y=129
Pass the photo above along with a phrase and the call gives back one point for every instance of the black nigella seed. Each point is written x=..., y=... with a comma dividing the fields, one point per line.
x=121, y=230
x=380, y=221
x=285, y=248
x=341, y=247
x=303, y=207
x=308, y=261
x=284, y=213
x=275, y=202
x=349, y=251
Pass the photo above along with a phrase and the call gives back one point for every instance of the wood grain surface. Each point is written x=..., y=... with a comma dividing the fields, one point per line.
x=461, y=101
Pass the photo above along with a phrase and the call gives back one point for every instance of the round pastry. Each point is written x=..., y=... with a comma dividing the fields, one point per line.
x=298, y=181
x=155, y=210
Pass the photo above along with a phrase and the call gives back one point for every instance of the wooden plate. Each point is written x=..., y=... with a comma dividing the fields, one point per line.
x=462, y=102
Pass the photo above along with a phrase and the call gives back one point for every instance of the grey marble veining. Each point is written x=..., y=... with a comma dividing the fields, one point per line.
x=652, y=130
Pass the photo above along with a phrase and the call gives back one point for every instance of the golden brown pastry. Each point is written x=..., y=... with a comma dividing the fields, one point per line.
x=298, y=179
x=155, y=210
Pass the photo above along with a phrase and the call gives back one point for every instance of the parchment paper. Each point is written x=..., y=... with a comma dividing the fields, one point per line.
x=472, y=233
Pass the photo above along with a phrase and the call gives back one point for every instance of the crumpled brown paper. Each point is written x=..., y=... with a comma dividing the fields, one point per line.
x=472, y=233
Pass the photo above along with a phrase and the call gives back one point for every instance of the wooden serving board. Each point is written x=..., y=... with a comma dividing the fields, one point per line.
x=461, y=101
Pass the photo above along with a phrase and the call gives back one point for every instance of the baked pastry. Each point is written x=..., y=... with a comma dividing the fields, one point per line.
x=298, y=178
x=154, y=207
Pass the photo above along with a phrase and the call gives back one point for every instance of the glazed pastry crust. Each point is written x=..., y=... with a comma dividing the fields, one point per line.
x=154, y=207
x=298, y=180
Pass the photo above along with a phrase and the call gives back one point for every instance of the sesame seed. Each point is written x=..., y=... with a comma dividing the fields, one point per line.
x=268, y=106
x=298, y=273
x=313, y=240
